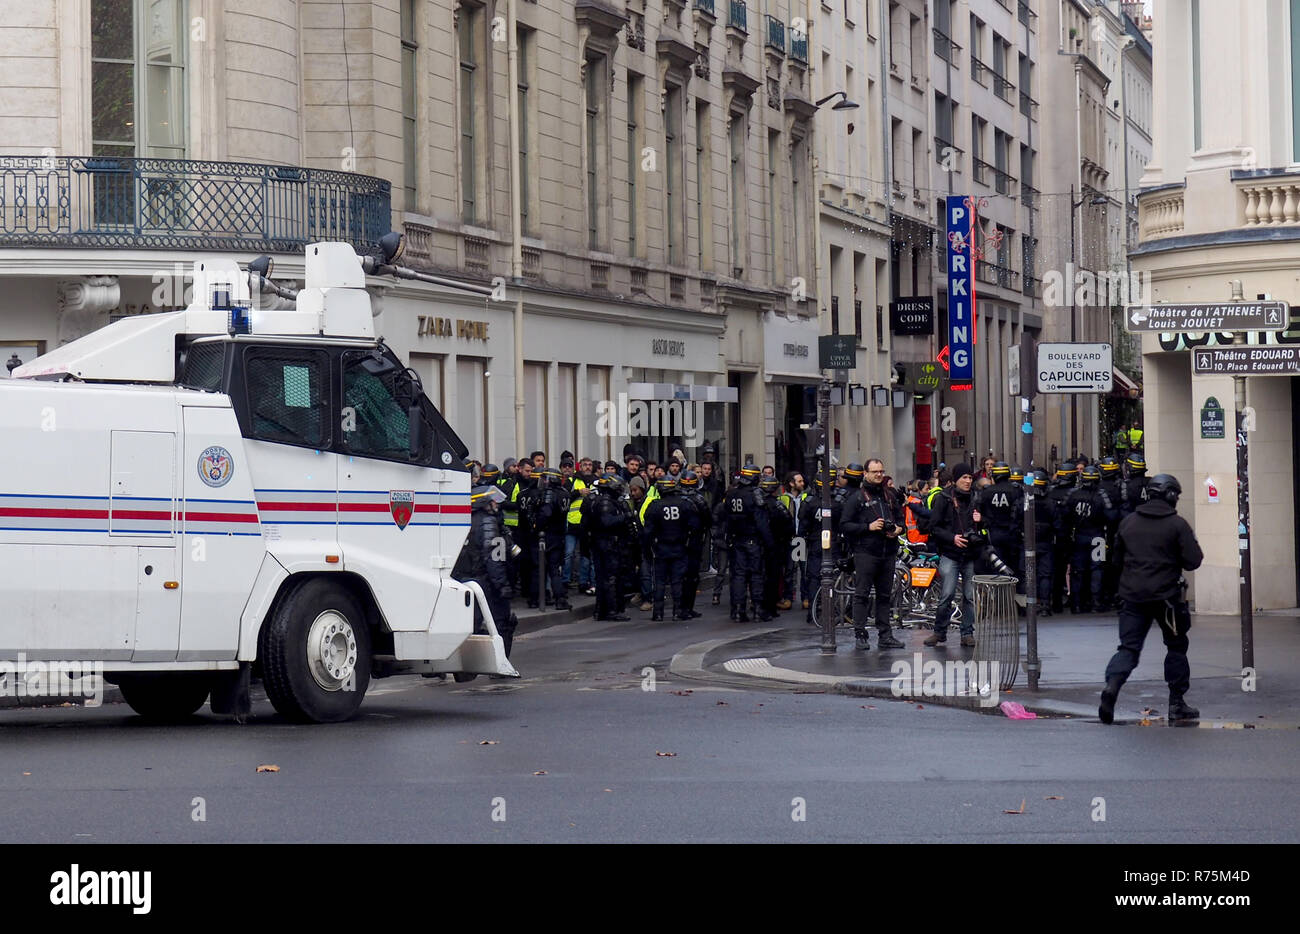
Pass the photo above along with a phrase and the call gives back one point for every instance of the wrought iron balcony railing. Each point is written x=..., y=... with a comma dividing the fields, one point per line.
x=799, y=47
x=980, y=170
x=993, y=274
x=979, y=71
x=124, y=203
x=1004, y=182
x=945, y=48
x=739, y=18
x=775, y=34
x=945, y=153
x=1028, y=106
x=1003, y=88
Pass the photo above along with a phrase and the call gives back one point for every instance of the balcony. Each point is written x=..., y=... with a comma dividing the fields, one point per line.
x=1029, y=196
x=942, y=148
x=979, y=71
x=1003, y=88
x=1033, y=287
x=1004, y=182
x=799, y=47
x=1004, y=277
x=980, y=170
x=1028, y=106
x=945, y=48
x=704, y=6
x=1160, y=213
x=178, y=204
x=738, y=18
x=775, y=34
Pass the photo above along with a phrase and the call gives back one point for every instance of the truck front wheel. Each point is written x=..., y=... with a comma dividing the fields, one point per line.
x=316, y=654
x=165, y=698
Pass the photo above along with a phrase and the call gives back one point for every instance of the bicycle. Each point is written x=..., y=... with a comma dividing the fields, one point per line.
x=843, y=590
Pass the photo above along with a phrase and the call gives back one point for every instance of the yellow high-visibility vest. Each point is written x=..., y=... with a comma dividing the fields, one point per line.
x=575, y=504
x=651, y=495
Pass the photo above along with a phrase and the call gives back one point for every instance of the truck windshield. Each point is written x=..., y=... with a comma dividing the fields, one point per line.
x=376, y=421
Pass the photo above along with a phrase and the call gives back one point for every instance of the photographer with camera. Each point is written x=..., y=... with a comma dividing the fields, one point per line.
x=871, y=521
x=954, y=529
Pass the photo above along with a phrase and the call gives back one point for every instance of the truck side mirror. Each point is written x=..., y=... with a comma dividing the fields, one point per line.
x=415, y=422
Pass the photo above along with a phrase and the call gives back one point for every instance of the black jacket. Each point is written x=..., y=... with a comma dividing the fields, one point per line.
x=1153, y=547
x=863, y=508
x=950, y=516
x=483, y=557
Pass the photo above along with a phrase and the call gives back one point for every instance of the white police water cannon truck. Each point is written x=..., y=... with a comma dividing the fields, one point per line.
x=195, y=497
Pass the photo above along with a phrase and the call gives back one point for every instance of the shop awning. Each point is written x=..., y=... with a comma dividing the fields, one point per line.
x=683, y=391
x=1124, y=385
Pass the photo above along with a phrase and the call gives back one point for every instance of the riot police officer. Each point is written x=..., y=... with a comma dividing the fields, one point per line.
x=1134, y=491
x=669, y=526
x=693, y=497
x=1153, y=548
x=1001, y=508
x=1112, y=484
x=483, y=560
x=847, y=483
x=748, y=535
x=781, y=524
x=810, y=530
x=605, y=521
x=1047, y=526
x=526, y=496
x=552, y=523
x=1062, y=544
x=1088, y=511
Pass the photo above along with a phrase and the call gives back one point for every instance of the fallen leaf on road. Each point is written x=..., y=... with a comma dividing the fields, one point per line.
x=920, y=706
x=681, y=693
x=1021, y=811
x=1147, y=711
x=268, y=768
x=488, y=742
x=542, y=772
x=665, y=754
x=722, y=703
x=67, y=704
x=27, y=773
x=609, y=789
x=1054, y=798
x=1144, y=722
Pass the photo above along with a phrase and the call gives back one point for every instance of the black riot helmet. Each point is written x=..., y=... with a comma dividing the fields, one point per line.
x=853, y=473
x=1090, y=475
x=1166, y=487
x=749, y=473
x=1108, y=465
x=1040, y=477
x=689, y=480
x=1001, y=470
x=1137, y=464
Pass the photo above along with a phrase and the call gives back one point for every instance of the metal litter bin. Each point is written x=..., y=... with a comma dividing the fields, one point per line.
x=997, y=626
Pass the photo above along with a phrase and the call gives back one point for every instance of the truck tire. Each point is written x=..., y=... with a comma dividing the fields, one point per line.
x=165, y=698
x=315, y=654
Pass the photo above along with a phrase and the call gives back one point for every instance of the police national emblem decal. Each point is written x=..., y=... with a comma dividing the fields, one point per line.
x=401, y=503
x=216, y=466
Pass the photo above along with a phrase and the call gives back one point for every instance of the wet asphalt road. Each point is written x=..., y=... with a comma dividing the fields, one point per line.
x=431, y=761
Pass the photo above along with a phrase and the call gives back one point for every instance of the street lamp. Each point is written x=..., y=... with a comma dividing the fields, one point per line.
x=1074, y=397
x=824, y=395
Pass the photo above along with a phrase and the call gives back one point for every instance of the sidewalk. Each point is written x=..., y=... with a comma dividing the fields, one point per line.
x=1073, y=651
